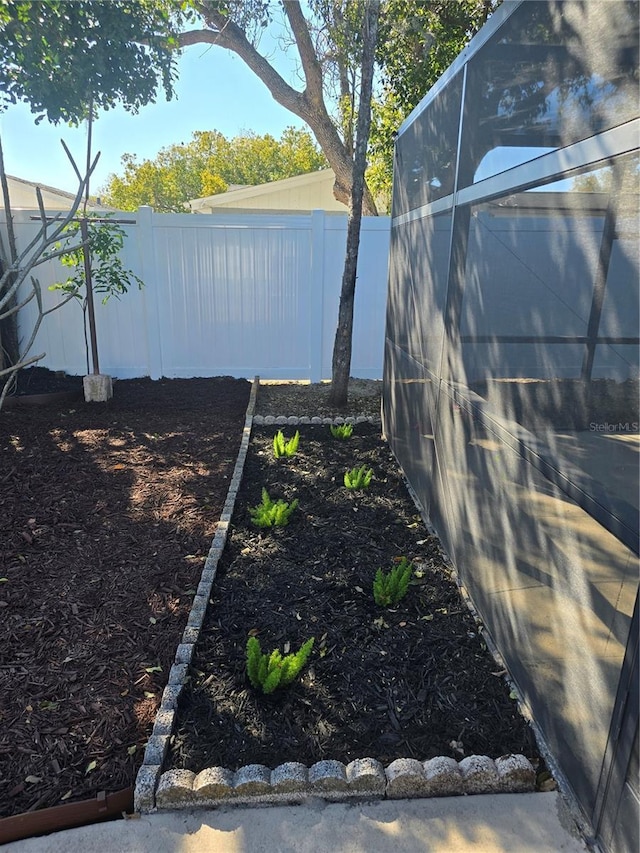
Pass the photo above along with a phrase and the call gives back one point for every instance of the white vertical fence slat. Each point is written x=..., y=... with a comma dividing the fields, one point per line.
x=225, y=294
x=149, y=333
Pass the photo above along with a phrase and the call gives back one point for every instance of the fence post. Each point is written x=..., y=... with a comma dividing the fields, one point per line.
x=316, y=295
x=150, y=291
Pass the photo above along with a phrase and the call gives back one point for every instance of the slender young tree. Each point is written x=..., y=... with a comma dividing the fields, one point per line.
x=341, y=362
x=64, y=59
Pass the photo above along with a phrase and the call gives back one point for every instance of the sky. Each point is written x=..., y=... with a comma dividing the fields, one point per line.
x=215, y=91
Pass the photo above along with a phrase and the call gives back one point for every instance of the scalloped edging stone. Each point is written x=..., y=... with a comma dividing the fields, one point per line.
x=293, y=782
x=292, y=420
x=364, y=778
x=516, y=774
x=443, y=775
x=177, y=789
x=292, y=777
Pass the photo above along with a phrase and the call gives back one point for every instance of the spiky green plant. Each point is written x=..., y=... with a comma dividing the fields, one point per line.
x=282, y=447
x=358, y=478
x=341, y=430
x=269, y=671
x=271, y=513
x=389, y=588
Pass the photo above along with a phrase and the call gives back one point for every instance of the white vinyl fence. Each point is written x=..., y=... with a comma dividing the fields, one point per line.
x=225, y=294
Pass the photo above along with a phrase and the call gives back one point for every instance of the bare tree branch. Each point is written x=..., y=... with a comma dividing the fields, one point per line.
x=11, y=371
x=18, y=265
x=308, y=105
x=16, y=369
x=310, y=65
x=17, y=307
x=22, y=269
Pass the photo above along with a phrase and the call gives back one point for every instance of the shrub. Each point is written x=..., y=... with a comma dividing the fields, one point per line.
x=282, y=447
x=269, y=671
x=358, y=478
x=270, y=513
x=341, y=430
x=389, y=588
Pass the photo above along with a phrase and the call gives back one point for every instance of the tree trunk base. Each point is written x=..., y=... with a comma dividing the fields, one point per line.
x=338, y=396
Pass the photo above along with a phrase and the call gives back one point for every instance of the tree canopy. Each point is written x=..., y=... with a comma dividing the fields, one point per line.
x=60, y=57
x=418, y=41
x=67, y=60
x=207, y=165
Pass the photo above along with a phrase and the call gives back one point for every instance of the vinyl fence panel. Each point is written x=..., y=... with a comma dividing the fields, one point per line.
x=225, y=294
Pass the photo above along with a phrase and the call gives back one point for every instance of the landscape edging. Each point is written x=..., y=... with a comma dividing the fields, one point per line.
x=292, y=782
x=364, y=778
x=148, y=775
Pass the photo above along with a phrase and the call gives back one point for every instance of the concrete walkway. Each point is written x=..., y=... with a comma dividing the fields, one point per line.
x=490, y=823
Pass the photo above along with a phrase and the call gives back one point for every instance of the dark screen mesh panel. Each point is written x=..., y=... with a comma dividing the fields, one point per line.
x=427, y=174
x=511, y=363
x=558, y=73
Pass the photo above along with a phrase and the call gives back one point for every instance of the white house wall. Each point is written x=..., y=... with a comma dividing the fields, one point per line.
x=302, y=193
x=304, y=197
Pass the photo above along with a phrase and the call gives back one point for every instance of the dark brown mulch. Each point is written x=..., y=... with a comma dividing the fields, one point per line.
x=412, y=681
x=40, y=380
x=106, y=515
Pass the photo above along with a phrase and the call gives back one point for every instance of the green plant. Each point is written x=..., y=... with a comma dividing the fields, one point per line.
x=341, y=430
x=358, y=478
x=97, y=268
x=389, y=588
x=269, y=671
x=282, y=447
x=108, y=275
x=271, y=513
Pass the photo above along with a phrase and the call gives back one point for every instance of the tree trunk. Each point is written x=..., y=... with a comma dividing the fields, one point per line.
x=9, y=343
x=309, y=105
x=341, y=363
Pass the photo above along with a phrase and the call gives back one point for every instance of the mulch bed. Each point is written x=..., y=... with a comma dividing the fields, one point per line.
x=107, y=512
x=415, y=680
x=34, y=381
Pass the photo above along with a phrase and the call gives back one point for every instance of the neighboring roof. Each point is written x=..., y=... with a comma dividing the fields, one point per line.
x=311, y=191
x=22, y=195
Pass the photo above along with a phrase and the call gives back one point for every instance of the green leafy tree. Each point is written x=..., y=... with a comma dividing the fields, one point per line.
x=108, y=275
x=59, y=56
x=418, y=41
x=326, y=40
x=67, y=60
x=333, y=40
x=207, y=165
